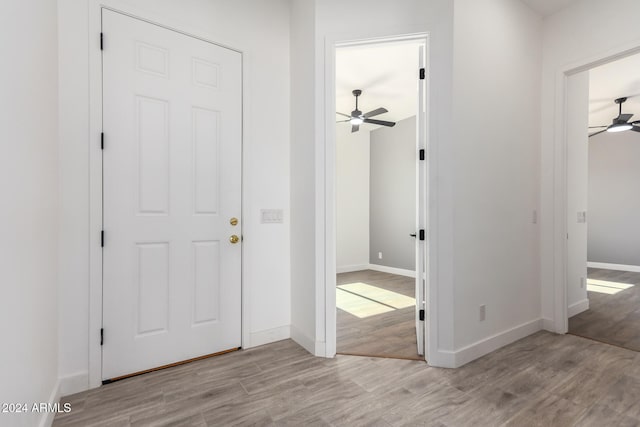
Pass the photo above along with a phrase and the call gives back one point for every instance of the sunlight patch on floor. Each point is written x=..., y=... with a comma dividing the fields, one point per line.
x=606, y=287
x=363, y=300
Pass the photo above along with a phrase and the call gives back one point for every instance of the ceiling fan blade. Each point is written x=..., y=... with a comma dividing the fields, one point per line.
x=635, y=129
x=594, y=134
x=379, y=122
x=343, y=121
x=376, y=112
x=355, y=128
x=343, y=114
x=624, y=117
x=595, y=127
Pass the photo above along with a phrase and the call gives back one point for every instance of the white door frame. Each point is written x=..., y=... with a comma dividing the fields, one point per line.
x=95, y=163
x=560, y=203
x=326, y=256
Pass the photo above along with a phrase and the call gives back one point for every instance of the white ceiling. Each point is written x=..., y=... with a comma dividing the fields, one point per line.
x=548, y=7
x=386, y=73
x=610, y=81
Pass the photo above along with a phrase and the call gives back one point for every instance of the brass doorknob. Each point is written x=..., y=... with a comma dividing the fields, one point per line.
x=234, y=239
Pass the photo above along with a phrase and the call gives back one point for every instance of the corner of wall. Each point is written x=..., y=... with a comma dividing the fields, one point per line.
x=303, y=340
x=47, y=417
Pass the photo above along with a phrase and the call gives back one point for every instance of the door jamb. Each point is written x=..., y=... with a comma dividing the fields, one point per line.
x=95, y=313
x=560, y=203
x=327, y=253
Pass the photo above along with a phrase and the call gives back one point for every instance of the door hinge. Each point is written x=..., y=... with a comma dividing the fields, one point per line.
x=422, y=154
x=101, y=41
x=421, y=234
x=423, y=73
x=421, y=313
x=101, y=336
x=102, y=238
x=102, y=141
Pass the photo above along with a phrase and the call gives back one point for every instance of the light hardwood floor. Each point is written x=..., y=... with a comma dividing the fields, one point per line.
x=391, y=334
x=613, y=319
x=542, y=380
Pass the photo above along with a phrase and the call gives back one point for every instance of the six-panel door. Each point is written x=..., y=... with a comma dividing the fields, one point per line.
x=172, y=181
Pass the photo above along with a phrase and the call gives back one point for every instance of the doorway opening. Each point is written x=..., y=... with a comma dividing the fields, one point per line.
x=380, y=204
x=603, y=290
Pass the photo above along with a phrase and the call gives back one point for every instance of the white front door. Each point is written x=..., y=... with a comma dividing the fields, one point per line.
x=172, y=184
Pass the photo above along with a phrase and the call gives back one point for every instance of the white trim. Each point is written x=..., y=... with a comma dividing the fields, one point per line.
x=303, y=340
x=268, y=336
x=617, y=267
x=352, y=268
x=560, y=190
x=578, y=307
x=75, y=383
x=376, y=267
x=548, y=324
x=95, y=160
x=325, y=227
x=46, y=418
x=392, y=270
x=494, y=342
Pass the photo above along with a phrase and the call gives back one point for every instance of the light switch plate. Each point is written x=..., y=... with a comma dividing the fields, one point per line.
x=271, y=216
x=582, y=217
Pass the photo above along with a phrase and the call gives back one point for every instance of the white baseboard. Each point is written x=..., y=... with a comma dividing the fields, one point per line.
x=303, y=340
x=442, y=359
x=492, y=343
x=47, y=418
x=320, y=349
x=350, y=268
x=392, y=270
x=619, y=267
x=74, y=383
x=269, y=335
x=548, y=325
x=578, y=307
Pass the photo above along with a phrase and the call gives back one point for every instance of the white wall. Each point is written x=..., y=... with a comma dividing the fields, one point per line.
x=28, y=218
x=577, y=174
x=302, y=174
x=352, y=198
x=585, y=31
x=334, y=22
x=261, y=30
x=496, y=103
x=614, y=200
x=392, y=219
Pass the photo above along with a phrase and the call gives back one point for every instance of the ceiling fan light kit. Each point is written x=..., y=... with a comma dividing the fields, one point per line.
x=356, y=118
x=619, y=127
x=620, y=123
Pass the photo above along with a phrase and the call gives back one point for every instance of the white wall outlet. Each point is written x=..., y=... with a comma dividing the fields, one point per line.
x=483, y=312
x=379, y=255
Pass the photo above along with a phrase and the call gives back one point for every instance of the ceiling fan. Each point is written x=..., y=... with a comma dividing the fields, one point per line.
x=620, y=123
x=357, y=118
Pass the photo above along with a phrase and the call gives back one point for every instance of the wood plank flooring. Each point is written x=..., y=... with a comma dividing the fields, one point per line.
x=613, y=319
x=542, y=380
x=390, y=334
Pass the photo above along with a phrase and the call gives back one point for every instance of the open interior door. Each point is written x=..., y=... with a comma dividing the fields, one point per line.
x=421, y=198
